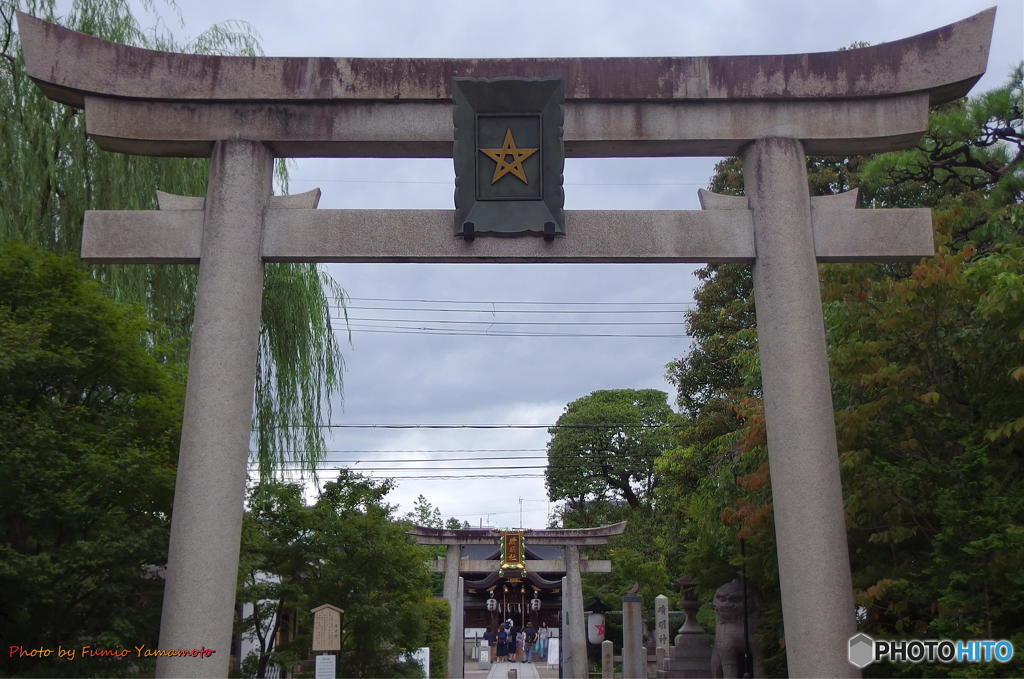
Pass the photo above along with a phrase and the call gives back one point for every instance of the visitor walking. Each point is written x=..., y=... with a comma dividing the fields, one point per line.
x=520, y=645
x=531, y=639
x=543, y=635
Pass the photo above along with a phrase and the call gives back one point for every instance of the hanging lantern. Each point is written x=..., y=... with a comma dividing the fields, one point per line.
x=595, y=628
x=535, y=604
x=492, y=604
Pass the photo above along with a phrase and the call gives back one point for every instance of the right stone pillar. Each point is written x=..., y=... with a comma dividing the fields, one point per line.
x=574, y=627
x=807, y=494
x=453, y=593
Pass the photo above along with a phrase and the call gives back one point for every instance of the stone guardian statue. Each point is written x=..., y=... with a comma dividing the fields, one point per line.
x=731, y=640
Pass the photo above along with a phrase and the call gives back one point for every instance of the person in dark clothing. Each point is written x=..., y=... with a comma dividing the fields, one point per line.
x=502, y=643
x=492, y=643
x=531, y=639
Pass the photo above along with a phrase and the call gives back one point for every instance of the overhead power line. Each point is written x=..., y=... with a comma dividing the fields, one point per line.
x=465, y=321
x=480, y=426
x=507, y=301
x=638, y=457
x=414, y=330
x=489, y=322
x=451, y=182
x=574, y=312
x=453, y=477
x=449, y=469
x=432, y=450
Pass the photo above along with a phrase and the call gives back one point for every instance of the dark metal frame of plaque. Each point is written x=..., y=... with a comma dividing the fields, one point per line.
x=520, y=121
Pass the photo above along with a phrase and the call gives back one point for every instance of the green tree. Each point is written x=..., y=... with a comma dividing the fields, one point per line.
x=424, y=513
x=272, y=566
x=604, y=445
x=928, y=392
x=435, y=628
x=89, y=422
x=601, y=462
x=51, y=173
x=346, y=549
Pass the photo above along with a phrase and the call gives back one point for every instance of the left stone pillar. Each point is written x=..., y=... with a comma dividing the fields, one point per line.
x=453, y=594
x=574, y=629
x=206, y=524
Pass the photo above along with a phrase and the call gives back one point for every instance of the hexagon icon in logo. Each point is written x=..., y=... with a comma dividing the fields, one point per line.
x=862, y=650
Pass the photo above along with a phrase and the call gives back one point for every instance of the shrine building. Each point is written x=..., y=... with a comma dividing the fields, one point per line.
x=528, y=576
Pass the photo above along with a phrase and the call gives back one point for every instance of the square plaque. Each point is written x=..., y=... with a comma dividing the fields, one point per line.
x=509, y=157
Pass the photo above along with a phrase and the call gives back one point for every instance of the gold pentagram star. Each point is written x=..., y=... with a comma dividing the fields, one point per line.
x=515, y=166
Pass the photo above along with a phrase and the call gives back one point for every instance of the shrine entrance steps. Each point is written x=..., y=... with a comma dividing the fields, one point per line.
x=500, y=670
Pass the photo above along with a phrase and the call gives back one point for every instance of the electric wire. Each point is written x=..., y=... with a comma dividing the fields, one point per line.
x=393, y=425
x=494, y=301
x=453, y=469
x=561, y=465
x=431, y=450
x=574, y=312
x=489, y=326
x=488, y=322
x=457, y=333
x=450, y=182
x=439, y=477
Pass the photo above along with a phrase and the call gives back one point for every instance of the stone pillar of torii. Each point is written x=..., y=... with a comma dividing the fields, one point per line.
x=242, y=112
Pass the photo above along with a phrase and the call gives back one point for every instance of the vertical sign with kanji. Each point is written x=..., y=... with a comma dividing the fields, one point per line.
x=661, y=621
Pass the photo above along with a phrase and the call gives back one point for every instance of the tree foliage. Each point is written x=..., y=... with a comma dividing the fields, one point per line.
x=89, y=422
x=601, y=459
x=604, y=445
x=347, y=550
x=52, y=173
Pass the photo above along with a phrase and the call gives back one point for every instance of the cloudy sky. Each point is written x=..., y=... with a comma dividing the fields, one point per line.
x=467, y=344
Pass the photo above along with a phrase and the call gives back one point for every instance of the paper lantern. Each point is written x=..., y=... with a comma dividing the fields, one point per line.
x=595, y=628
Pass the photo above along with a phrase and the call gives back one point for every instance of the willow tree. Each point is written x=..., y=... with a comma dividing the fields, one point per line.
x=51, y=173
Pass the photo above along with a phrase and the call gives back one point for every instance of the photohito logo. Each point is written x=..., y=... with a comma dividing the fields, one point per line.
x=863, y=650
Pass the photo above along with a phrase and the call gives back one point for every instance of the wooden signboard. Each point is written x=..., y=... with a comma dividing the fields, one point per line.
x=326, y=628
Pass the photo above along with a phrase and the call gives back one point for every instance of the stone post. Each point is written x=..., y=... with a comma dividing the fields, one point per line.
x=690, y=658
x=634, y=655
x=607, y=659
x=814, y=565
x=574, y=631
x=453, y=595
x=661, y=634
x=202, y=562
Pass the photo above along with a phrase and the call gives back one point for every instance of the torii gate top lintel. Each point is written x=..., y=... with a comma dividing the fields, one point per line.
x=161, y=103
x=944, y=62
x=485, y=536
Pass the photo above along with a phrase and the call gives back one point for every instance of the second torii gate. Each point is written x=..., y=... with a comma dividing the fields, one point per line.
x=244, y=111
x=573, y=563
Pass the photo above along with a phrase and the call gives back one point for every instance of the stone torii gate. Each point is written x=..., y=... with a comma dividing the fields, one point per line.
x=573, y=563
x=242, y=112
